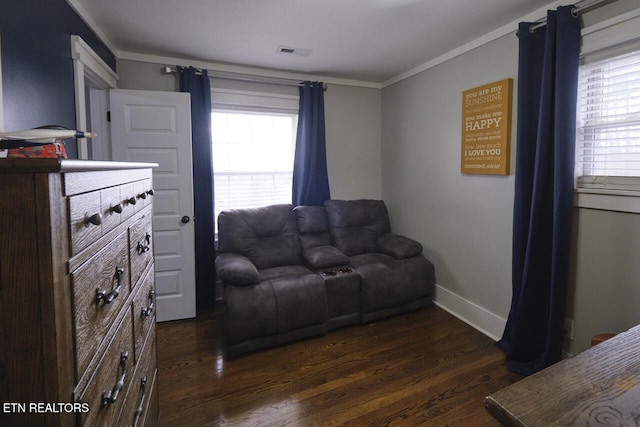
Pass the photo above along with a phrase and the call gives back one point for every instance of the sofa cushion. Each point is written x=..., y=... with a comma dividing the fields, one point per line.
x=394, y=283
x=370, y=258
x=312, y=226
x=267, y=236
x=355, y=225
x=399, y=247
x=324, y=256
x=302, y=302
x=311, y=219
x=283, y=271
x=250, y=312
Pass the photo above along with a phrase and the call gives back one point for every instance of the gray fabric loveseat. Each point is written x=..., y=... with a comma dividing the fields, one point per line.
x=290, y=273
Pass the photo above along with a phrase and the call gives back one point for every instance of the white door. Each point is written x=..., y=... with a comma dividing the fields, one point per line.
x=156, y=127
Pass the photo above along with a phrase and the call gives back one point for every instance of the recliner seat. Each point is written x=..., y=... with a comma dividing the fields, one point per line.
x=395, y=276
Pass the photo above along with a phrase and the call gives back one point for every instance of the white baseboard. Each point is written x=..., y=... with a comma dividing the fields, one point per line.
x=471, y=313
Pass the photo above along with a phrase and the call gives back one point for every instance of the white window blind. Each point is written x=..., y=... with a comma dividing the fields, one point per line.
x=252, y=158
x=608, y=128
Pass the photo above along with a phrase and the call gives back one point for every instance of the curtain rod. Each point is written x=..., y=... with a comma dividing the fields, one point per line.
x=239, y=77
x=577, y=11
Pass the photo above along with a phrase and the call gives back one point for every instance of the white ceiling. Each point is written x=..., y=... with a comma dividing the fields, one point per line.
x=364, y=40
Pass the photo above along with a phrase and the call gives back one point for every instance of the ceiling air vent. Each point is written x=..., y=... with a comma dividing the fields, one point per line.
x=295, y=51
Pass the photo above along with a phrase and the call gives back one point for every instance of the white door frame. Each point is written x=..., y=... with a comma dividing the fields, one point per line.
x=87, y=65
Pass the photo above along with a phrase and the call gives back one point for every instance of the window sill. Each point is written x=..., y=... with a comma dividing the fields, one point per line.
x=607, y=199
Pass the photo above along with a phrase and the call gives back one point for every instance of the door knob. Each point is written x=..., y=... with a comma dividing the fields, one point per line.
x=185, y=219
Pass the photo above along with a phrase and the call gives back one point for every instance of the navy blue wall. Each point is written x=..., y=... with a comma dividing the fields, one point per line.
x=37, y=69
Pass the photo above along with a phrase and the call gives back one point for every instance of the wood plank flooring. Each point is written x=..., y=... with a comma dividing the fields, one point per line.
x=420, y=368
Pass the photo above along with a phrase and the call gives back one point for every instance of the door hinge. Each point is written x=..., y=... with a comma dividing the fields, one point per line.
x=109, y=116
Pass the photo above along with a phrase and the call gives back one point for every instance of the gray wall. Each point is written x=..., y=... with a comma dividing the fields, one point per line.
x=352, y=123
x=352, y=117
x=605, y=295
x=465, y=221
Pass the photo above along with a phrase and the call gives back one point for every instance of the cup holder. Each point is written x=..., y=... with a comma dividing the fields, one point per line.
x=331, y=273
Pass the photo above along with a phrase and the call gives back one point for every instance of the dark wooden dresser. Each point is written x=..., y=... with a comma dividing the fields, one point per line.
x=77, y=294
x=598, y=387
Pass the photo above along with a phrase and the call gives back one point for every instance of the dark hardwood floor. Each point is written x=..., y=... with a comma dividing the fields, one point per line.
x=425, y=367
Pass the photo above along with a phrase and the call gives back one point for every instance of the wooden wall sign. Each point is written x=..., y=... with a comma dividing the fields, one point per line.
x=486, y=129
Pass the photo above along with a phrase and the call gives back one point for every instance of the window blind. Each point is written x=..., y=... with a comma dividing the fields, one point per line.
x=253, y=150
x=608, y=128
x=239, y=190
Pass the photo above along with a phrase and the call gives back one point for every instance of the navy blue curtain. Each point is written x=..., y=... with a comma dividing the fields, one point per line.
x=310, y=178
x=547, y=90
x=197, y=84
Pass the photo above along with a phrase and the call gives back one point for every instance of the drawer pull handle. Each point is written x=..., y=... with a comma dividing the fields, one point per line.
x=131, y=200
x=138, y=413
x=142, y=195
x=146, y=311
x=146, y=247
x=150, y=192
x=109, y=397
x=117, y=208
x=95, y=219
x=107, y=298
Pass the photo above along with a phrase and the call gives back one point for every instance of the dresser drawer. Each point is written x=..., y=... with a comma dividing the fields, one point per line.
x=140, y=245
x=105, y=393
x=144, y=193
x=128, y=200
x=100, y=288
x=153, y=410
x=144, y=313
x=141, y=397
x=85, y=220
x=136, y=196
x=111, y=208
x=96, y=213
x=141, y=408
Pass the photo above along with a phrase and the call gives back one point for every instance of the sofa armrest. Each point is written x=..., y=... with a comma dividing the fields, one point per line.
x=399, y=247
x=324, y=256
x=235, y=269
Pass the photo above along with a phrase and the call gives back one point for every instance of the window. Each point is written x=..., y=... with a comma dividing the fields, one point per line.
x=608, y=129
x=253, y=154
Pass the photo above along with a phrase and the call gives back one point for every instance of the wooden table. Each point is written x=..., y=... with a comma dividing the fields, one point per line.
x=598, y=387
